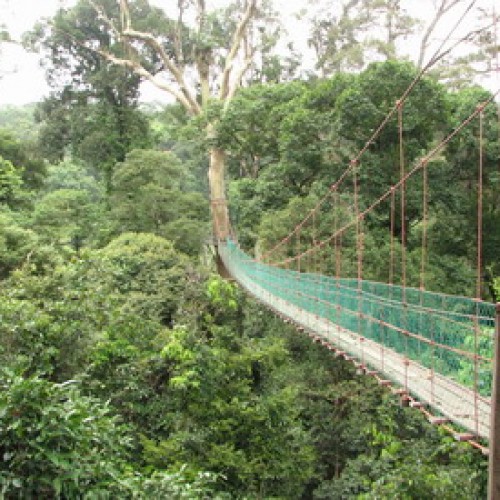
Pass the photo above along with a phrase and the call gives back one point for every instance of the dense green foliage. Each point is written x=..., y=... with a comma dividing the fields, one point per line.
x=129, y=370
x=149, y=193
x=19, y=119
x=92, y=111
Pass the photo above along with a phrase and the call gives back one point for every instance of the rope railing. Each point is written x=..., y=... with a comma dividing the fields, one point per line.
x=423, y=162
x=432, y=340
x=325, y=291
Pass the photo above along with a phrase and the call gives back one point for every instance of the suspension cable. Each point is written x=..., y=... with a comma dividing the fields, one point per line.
x=398, y=184
x=438, y=55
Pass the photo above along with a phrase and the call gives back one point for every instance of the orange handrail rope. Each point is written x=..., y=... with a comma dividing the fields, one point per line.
x=419, y=166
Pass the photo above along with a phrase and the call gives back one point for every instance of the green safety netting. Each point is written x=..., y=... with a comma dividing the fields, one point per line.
x=452, y=335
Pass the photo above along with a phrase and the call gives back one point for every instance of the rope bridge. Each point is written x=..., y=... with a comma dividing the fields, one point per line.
x=434, y=349
x=424, y=343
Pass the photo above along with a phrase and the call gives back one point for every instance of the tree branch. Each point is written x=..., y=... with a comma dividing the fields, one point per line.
x=444, y=7
x=174, y=70
x=125, y=14
x=188, y=99
x=468, y=37
x=237, y=39
x=203, y=56
x=136, y=67
x=157, y=82
x=179, y=53
x=237, y=81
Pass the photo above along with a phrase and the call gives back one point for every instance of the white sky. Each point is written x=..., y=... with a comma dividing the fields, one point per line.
x=25, y=81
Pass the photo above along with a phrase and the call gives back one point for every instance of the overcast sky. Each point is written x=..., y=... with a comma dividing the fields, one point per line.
x=25, y=81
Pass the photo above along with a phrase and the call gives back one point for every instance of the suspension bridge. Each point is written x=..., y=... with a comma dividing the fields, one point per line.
x=434, y=350
x=414, y=340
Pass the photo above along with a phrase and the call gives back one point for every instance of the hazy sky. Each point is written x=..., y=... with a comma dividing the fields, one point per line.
x=25, y=80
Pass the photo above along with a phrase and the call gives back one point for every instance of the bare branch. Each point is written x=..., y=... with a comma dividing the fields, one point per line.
x=237, y=39
x=125, y=14
x=468, y=37
x=440, y=11
x=202, y=9
x=179, y=53
x=175, y=71
x=157, y=82
x=188, y=97
x=203, y=57
x=137, y=68
x=237, y=81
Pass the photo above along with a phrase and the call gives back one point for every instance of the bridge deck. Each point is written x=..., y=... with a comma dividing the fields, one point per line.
x=457, y=403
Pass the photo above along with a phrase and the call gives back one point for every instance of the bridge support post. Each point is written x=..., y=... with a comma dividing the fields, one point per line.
x=494, y=445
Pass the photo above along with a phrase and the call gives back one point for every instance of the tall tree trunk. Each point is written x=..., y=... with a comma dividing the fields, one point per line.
x=216, y=180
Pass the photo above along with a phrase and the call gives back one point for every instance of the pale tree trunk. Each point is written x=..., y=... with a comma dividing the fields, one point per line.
x=216, y=181
x=218, y=204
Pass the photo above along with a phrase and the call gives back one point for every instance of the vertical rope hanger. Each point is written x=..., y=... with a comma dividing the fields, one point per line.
x=423, y=256
x=354, y=171
x=355, y=186
x=402, y=169
x=334, y=194
x=392, y=218
x=425, y=221
x=338, y=249
x=327, y=263
x=337, y=239
x=288, y=251
x=315, y=258
x=480, y=204
x=479, y=263
x=314, y=255
x=391, y=258
x=298, y=252
x=359, y=252
x=423, y=268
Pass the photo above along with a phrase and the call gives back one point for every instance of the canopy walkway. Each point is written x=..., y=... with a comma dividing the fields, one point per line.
x=422, y=342
x=434, y=349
